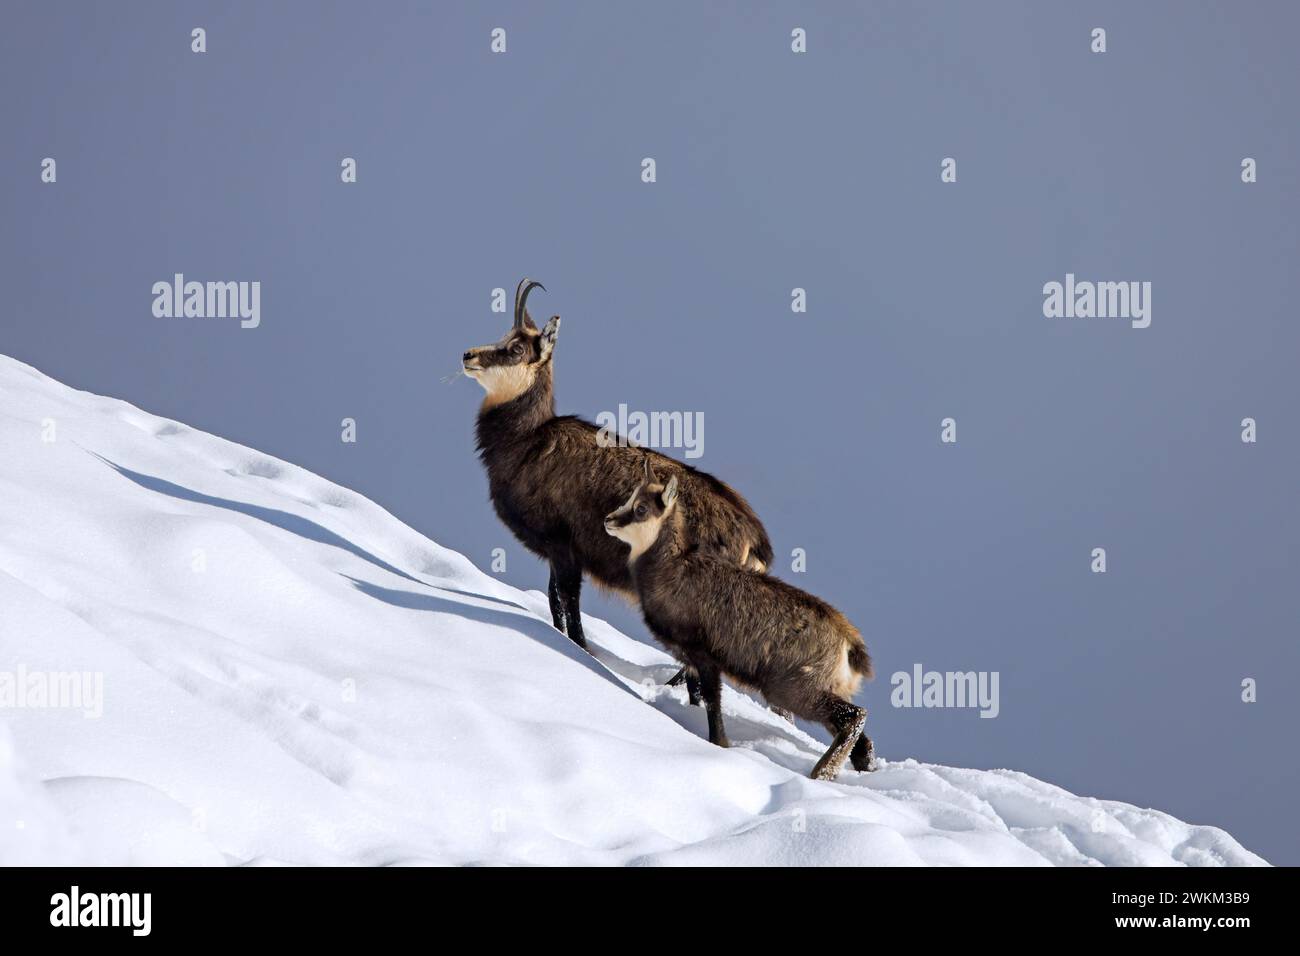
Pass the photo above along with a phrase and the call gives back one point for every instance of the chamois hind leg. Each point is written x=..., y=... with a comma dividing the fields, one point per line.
x=711, y=688
x=692, y=680
x=845, y=721
x=557, y=606
x=863, y=756
x=569, y=586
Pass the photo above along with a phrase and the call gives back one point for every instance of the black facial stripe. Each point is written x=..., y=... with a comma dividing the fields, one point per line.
x=529, y=352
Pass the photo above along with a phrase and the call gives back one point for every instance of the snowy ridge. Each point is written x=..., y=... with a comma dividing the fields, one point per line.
x=291, y=675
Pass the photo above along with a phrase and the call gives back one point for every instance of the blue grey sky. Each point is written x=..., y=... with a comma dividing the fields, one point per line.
x=775, y=171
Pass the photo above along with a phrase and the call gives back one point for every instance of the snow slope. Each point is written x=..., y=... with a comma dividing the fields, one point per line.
x=291, y=675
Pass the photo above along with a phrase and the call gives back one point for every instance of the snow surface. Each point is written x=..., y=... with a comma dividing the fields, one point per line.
x=292, y=675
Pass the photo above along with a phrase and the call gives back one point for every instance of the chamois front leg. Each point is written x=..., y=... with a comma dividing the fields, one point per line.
x=692, y=680
x=557, y=606
x=711, y=688
x=692, y=687
x=569, y=587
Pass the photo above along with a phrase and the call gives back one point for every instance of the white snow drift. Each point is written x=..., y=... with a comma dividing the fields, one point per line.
x=291, y=675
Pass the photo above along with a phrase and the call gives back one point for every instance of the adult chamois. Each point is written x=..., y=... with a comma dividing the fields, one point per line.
x=553, y=479
x=799, y=651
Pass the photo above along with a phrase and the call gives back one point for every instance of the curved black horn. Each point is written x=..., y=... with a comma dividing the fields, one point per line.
x=525, y=286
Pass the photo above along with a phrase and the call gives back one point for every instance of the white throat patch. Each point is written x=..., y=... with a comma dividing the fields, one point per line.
x=640, y=536
x=504, y=383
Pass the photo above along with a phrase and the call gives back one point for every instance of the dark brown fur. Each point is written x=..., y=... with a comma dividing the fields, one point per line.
x=800, y=652
x=552, y=483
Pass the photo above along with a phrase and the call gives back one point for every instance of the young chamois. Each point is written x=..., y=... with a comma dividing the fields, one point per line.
x=552, y=481
x=800, y=652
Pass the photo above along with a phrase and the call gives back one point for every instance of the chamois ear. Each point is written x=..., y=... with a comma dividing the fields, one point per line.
x=670, y=493
x=549, y=335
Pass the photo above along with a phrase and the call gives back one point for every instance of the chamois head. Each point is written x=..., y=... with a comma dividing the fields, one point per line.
x=638, y=520
x=507, y=368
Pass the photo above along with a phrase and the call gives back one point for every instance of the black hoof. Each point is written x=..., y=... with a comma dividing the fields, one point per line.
x=863, y=758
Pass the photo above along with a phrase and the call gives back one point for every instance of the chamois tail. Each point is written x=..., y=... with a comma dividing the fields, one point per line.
x=860, y=660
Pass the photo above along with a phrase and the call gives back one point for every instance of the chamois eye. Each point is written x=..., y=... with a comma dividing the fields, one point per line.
x=640, y=511
x=517, y=348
